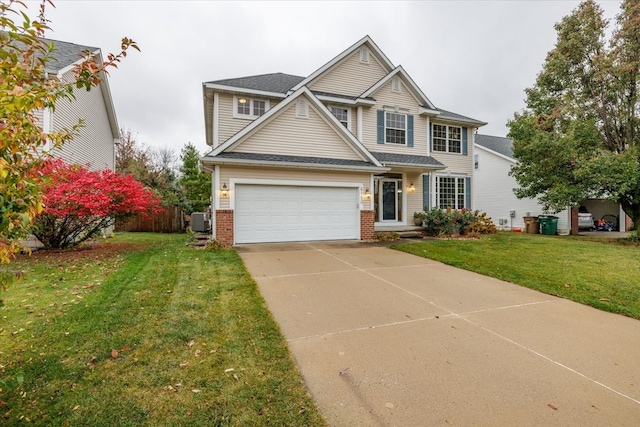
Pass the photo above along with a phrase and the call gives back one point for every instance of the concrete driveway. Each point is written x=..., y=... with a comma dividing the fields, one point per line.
x=387, y=338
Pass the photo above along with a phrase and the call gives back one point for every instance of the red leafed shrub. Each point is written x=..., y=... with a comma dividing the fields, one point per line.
x=79, y=203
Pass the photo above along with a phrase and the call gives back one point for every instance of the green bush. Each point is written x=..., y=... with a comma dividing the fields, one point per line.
x=463, y=222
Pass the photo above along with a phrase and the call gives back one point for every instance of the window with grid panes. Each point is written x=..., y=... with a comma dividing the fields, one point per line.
x=395, y=128
x=342, y=115
x=450, y=192
x=447, y=139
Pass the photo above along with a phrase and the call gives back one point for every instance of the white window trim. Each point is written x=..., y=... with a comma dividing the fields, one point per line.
x=348, y=114
x=406, y=130
x=447, y=140
x=237, y=115
x=437, y=190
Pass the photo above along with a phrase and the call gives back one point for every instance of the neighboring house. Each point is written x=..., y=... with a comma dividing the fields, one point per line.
x=351, y=148
x=493, y=190
x=95, y=144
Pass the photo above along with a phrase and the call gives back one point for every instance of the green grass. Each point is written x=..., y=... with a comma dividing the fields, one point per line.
x=143, y=330
x=602, y=273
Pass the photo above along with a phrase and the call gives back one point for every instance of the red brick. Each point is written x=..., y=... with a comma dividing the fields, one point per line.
x=574, y=221
x=366, y=225
x=224, y=227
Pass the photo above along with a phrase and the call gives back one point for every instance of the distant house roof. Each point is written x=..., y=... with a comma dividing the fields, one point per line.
x=274, y=82
x=498, y=144
x=65, y=54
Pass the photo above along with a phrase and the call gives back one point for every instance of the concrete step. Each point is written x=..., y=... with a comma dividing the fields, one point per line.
x=409, y=234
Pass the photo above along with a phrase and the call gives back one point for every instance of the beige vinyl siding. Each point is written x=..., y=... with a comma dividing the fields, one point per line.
x=228, y=125
x=414, y=200
x=95, y=143
x=407, y=104
x=289, y=135
x=354, y=121
x=294, y=175
x=350, y=76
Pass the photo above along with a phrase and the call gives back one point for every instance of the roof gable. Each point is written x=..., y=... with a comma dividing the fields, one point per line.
x=365, y=41
x=286, y=105
x=409, y=83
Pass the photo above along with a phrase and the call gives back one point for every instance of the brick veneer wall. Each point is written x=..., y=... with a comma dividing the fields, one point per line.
x=366, y=225
x=574, y=221
x=627, y=223
x=224, y=227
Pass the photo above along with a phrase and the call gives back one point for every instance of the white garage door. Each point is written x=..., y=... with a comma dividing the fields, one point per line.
x=277, y=213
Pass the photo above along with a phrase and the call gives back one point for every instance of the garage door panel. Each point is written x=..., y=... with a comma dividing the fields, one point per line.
x=265, y=213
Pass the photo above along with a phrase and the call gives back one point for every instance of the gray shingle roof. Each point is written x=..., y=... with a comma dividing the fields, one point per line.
x=450, y=115
x=498, y=144
x=406, y=159
x=292, y=159
x=65, y=54
x=274, y=82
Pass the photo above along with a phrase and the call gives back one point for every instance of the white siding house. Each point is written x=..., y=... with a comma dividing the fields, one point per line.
x=95, y=144
x=493, y=189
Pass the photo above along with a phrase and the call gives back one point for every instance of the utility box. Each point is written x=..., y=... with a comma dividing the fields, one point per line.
x=200, y=222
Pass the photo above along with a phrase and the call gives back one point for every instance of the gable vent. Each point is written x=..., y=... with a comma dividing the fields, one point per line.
x=364, y=55
x=395, y=84
x=302, y=109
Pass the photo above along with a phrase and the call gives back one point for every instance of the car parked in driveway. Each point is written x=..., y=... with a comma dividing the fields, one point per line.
x=585, y=219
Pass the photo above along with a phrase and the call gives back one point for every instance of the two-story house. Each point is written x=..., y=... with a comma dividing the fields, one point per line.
x=95, y=144
x=354, y=146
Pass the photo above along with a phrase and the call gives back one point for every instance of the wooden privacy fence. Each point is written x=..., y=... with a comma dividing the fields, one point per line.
x=170, y=220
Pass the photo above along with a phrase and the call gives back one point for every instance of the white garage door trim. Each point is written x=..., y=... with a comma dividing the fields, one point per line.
x=341, y=222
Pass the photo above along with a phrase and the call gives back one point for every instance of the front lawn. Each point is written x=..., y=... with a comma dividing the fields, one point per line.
x=590, y=271
x=142, y=330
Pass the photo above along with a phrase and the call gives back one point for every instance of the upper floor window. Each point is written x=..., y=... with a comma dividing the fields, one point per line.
x=342, y=114
x=395, y=128
x=249, y=108
x=476, y=162
x=447, y=139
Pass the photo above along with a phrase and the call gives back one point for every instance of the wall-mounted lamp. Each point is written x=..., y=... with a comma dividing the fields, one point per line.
x=366, y=195
x=224, y=191
x=412, y=188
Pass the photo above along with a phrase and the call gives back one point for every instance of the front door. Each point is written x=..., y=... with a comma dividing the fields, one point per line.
x=388, y=200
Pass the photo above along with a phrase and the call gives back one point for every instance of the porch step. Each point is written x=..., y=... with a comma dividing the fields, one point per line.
x=409, y=234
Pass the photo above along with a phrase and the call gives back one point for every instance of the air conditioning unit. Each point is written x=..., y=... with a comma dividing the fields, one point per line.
x=200, y=222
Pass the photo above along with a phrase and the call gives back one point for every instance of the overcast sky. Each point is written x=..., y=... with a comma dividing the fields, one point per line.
x=471, y=57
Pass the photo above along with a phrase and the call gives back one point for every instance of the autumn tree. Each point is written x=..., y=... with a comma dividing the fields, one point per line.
x=195, y=183
x=25, y=89
x=80, y=203
x=578, y=136
x=156, y=168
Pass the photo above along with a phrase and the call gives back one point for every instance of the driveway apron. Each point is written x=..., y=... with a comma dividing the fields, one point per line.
x=384, y=338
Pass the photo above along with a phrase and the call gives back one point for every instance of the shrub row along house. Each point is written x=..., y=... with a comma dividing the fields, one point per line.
x=354, y=146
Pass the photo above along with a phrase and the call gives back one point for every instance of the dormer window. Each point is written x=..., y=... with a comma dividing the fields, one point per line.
x=342, y=114
x=249, y=108
x=396, y=86
x=364, y=55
